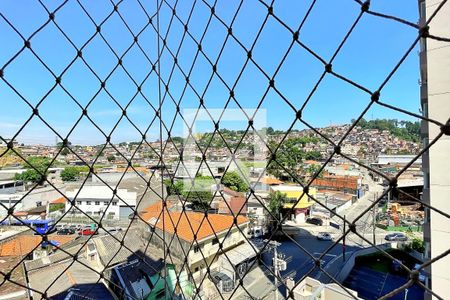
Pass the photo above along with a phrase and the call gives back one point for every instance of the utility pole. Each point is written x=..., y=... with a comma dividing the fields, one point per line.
x=343, y=242
x=275, y=267
x=374, y=218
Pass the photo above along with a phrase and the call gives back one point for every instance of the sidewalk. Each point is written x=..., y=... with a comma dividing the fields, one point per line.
x=258, y=285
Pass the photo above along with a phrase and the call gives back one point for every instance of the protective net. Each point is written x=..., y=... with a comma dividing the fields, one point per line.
x=164, y=65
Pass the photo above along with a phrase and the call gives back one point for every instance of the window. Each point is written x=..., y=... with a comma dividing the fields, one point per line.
x=88, y=202
x=114, y=203
x=197, y=248
x=97, y=202
x=78, y=202
x=39, y=203
x=196, y=270
x=215, y=241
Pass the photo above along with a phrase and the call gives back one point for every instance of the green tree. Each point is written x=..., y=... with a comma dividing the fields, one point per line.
x=175, y=187
x=30, y=175
x=406, y=130
x=233, y=181
x=70, y=174
x=111, y=158
x=289, y=157
x=39, y=165
x=313, y=169
x=55, y=207
x=198, y=192
x=418, y=245
x=39, y=162
x=276, y=202
x=312, y=155
x=200, y=200
x=65, y=151
x=177, y=140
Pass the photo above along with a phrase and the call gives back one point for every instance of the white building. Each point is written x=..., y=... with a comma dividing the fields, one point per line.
x=384, y=159
x=309, y=289
x=435, y=98
x=23, y=200
x=94, y=200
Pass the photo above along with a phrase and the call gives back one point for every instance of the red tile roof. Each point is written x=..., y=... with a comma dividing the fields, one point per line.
x=188, y=223
x=20, y=214
x=24, y=244
x=235, y=204
x=59, y=200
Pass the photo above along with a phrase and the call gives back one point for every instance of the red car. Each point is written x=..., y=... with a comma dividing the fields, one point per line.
x=87, y=231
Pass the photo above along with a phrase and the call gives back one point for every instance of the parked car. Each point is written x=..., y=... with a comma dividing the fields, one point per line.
x=324, y=236
x=315, y=221
x=58, y=227
x=396, y=237
x=75, y=227
x=65, y=231
x=87, y=231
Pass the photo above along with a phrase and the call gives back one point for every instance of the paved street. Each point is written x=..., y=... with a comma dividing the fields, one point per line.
x=301, y=261
x=365, y=224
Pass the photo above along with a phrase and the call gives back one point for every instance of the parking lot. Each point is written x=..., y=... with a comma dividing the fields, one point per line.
x=371, y=284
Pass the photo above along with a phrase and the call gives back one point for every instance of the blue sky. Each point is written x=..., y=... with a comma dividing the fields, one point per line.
x=369, y=55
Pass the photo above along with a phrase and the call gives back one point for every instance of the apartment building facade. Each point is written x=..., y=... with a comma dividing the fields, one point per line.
x=435, y=99
x=95, y=201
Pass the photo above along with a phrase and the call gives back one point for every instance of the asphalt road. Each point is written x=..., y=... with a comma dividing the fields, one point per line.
x=302, y=261
x=302, y=253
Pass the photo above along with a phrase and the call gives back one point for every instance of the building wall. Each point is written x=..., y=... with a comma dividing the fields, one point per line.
x=38, y=197
x=435, y=94
x=95, y=201
x=293, y=193
x=209, y=249
x=196, y=262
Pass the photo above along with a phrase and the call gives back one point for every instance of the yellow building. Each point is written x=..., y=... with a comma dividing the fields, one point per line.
x=293, y=193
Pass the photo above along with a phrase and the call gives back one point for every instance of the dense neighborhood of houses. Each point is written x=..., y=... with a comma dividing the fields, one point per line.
x=140, y=228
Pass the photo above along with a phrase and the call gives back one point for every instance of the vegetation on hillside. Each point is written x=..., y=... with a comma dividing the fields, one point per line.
x=290, y=156
x=406, y=130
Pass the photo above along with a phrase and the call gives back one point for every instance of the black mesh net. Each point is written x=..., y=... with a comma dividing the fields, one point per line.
x=155, y=74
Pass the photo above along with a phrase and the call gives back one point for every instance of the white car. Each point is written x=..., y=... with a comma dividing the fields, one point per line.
x=324, y=236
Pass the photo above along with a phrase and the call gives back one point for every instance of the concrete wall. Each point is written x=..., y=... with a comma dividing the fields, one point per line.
x=435, y=93
x=347, y=268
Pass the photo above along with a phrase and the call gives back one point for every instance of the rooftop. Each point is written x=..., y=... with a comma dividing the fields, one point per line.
x=24, y=244
x=59, y=200
x=270, y=181
x=188, y=223
x=60, y=278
